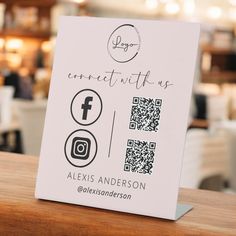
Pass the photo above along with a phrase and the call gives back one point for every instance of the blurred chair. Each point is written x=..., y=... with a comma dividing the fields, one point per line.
x=232, y=166
x=217, y=108
x=31, y=116
x=191, y=171
x=215, y=166
x=229, y=90
x=210, y=103
x=230, y=128
x=6, y=95
x=233, y=106
x=206, y=159
x=215, y=160
x=201, y=106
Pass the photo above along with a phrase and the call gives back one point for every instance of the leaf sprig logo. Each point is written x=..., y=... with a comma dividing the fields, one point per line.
x=124, y=43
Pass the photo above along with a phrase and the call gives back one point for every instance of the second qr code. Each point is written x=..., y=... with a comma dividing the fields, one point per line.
x=139, y=156
x=145, y=114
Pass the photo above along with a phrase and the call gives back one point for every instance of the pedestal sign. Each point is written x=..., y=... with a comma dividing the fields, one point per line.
x=117, y=114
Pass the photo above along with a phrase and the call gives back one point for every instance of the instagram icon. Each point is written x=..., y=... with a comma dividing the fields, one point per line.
x=80, y=148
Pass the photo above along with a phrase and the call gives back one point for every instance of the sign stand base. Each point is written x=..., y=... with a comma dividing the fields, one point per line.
x=181, y=210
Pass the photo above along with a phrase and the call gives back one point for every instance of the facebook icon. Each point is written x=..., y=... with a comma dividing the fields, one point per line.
x=86, y=106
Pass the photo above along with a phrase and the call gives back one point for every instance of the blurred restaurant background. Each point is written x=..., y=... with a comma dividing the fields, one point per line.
x=28, y=31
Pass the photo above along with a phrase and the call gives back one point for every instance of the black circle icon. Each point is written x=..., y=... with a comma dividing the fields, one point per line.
x=80, y=148
x=86, y=107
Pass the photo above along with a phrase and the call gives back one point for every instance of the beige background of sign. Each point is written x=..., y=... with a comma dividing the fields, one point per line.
x=168, y=50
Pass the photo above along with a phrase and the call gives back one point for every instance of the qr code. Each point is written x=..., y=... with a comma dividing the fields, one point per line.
x=145, y=114
x=139, y=156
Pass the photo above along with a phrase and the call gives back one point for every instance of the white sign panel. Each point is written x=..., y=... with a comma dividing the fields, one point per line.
x=117, y=114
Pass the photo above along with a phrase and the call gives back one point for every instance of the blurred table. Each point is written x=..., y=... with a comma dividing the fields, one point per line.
x=199, y=123
x=21, y=214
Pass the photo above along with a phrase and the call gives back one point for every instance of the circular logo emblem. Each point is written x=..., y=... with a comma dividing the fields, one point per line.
x=80, y=148
x=124, y=43
x=86, y=107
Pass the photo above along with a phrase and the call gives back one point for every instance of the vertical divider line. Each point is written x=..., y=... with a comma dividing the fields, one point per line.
x=112, y=129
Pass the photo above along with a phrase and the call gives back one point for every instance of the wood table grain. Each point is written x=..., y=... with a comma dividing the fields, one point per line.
x=21, y=214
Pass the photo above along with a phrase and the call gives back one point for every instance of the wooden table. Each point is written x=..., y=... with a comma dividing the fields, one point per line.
x=21, y=214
